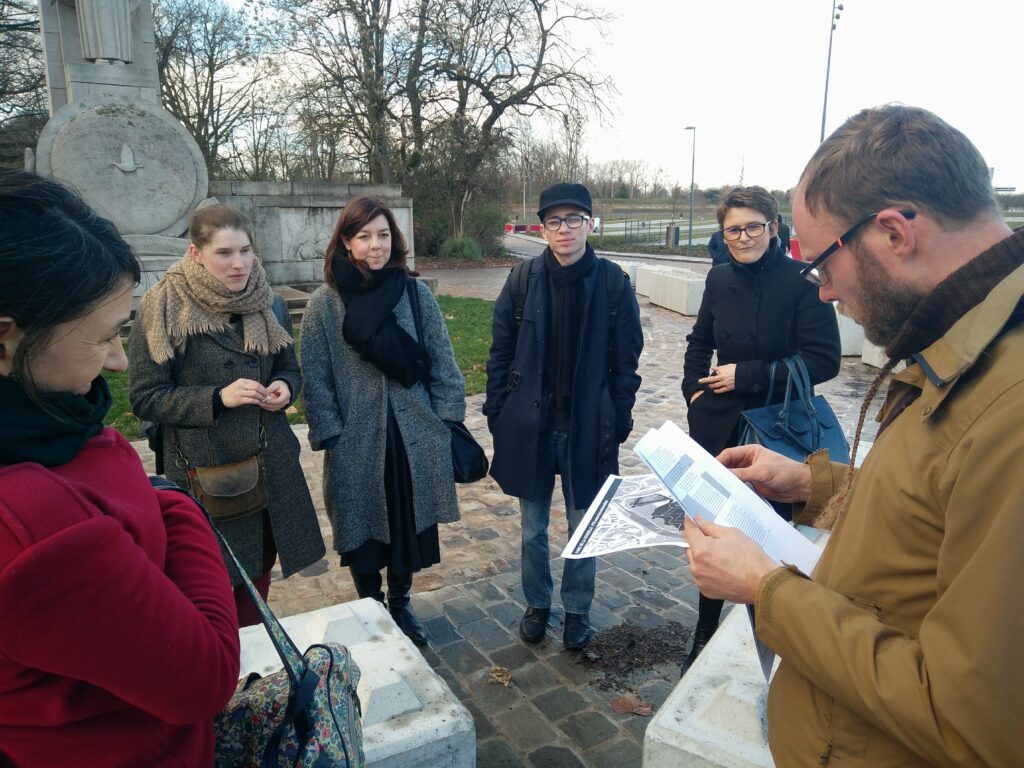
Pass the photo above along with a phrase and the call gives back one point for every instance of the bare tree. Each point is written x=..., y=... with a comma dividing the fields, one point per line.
x=23, y=108
x=210, y=60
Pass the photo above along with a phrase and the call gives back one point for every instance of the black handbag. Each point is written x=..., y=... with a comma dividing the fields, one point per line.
x=469, y=461
x=798, y=426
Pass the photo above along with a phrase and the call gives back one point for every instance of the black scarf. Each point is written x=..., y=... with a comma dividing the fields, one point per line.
x=370, y=325
x=51, y=435
x=568, y=300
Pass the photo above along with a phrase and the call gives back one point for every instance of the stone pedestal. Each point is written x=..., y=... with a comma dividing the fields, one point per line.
x=411, y=719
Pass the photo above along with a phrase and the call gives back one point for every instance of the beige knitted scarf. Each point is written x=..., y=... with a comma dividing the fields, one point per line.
x=189, y=301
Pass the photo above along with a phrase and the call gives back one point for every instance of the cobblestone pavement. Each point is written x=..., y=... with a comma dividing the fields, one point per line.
x=552, y=713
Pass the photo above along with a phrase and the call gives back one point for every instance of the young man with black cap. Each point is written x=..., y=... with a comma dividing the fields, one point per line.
x=561, y=383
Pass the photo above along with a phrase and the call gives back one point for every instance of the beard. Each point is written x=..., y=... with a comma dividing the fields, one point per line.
x=885, y=304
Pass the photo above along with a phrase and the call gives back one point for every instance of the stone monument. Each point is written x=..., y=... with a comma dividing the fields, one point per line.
x=108, y=136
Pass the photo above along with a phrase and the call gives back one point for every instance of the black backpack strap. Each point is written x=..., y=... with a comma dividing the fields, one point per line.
x=616, y=278
x=520, y=285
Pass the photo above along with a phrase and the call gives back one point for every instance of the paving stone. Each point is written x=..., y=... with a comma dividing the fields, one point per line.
x=526, y=728
x=555, y=757
x=624, y=753
x=461, y=610
x=653, y=598
x=481, y=722
x=657, y=691
x=440, y=631
x=484, y=591
x=318, y=568
x=535, y=678
x=462, y=657
x=568, y=666
x=559, y=703
x=496, y=753
x=493, y=698
x=588, y=728
x=666, y=581
x=514, y=656
x=484, y=534
x=508, y=614
x=602, y=618
x=453, y=682
x=663, y=557
x=627, y=561
x=619, y=578
x=610, y=597
x=487, y=635
x=634, y=726
x=424, y=606
x=643, y=617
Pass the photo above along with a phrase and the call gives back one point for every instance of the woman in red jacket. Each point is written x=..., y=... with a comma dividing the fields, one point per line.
x=118, y=637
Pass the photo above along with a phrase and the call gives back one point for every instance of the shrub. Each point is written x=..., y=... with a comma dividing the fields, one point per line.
x=486, y=224
x=464, y=247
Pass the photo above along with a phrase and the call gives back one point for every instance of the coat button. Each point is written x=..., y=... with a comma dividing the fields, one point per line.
x=757, y=293
x=726, y=335
x=536, y=403
x=254, y=363
x=750, y=337
x=732, y=290
x=229, y=363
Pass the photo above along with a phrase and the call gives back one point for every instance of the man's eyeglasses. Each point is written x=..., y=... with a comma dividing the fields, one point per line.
x=814, y=272
x=753, y=230
x=572, y=221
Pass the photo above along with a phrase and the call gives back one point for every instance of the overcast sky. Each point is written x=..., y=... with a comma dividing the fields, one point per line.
x=751, y=76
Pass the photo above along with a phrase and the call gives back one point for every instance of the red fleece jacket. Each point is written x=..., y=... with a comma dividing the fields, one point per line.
x=118, y=636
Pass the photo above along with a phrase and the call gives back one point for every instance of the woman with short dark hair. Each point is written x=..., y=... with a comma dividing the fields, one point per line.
x=118, y=642
x=213, y=361
x=756, y=309
x=381, y=381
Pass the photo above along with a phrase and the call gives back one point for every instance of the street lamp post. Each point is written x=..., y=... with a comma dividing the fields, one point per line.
x=828, y=64
x=693, y=160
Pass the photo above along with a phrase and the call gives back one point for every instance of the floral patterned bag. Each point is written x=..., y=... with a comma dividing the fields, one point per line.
x=305, y=716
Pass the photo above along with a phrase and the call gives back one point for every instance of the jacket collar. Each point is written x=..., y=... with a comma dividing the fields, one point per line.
x=947, y=359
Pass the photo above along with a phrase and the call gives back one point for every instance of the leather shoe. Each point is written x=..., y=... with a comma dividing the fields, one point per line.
x=578, y=631
x=700, y=639
x=533, y=624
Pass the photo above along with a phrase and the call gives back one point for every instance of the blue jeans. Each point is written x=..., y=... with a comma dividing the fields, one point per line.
x=577, y=575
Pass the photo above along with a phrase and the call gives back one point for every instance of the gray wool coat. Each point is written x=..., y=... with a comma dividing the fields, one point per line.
x=347, y=397
x=215, y=360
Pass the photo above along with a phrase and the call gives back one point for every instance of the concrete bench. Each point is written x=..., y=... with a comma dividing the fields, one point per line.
x=674, y=288
x=411, y=719
x=851, y=335
x=714, y=717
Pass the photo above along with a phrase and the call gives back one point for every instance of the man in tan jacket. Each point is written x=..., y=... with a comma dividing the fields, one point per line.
x=903, y=648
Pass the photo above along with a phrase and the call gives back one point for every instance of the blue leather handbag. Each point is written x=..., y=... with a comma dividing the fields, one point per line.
x=798, y=426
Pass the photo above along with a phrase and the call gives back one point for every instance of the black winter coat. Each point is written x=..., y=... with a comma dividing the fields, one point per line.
x=753, y=315
x=603, y=392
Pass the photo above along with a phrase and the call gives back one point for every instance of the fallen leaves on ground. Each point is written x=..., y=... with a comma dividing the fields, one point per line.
x=631, y=704
x=500, y=676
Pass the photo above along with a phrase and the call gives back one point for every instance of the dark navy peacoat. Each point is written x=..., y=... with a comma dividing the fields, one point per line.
x=603, y=391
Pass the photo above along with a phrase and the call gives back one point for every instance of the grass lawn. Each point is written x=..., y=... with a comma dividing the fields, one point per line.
x=469, y=325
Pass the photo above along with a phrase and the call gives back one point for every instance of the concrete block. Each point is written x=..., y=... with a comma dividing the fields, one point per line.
x=411, y=718
x=674, y=288
x=630, y=268
x=712, y=717
x=873, y=355
x=261, y=187
x=220, y=188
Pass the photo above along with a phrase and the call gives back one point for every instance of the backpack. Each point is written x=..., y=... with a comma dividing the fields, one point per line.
x=615, y=279
x=153, y=431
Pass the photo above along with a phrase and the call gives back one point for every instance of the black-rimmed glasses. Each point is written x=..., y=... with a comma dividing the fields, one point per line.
x=813, y=272
x=572, y=221
x=755, y=229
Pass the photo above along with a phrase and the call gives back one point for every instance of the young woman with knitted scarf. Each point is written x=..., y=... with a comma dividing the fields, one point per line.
x=211, y=362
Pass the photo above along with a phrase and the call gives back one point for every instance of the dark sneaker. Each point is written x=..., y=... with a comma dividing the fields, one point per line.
x=578, y=631
x=533, y=624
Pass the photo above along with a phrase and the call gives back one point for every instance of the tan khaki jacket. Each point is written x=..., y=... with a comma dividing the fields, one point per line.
x=907, y=648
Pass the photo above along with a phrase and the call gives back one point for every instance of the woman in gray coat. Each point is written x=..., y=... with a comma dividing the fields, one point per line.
x=212, y=363
x=381, y=381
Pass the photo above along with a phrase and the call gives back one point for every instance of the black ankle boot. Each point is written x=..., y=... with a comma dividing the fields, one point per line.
x=367, y=584
x=701, y=636
x=398, y=605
